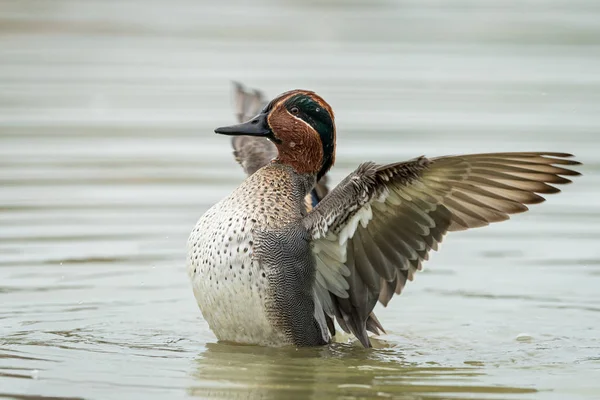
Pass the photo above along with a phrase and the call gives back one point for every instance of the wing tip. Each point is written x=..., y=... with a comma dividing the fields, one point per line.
x=373, y=325
x=237, y=85
x=563, y=159
x=556, y=154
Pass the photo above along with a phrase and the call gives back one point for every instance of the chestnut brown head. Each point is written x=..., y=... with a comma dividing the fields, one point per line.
x=301, y=124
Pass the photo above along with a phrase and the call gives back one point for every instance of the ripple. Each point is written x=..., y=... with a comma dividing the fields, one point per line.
x=16, y=396
x=481, y=295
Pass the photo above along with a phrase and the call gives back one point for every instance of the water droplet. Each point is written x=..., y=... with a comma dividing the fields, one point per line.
x=317, y=109
x=292, y=144
x=35, y=374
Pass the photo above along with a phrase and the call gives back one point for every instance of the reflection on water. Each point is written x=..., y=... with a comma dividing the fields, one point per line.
x=107, y=159
x=342, y=370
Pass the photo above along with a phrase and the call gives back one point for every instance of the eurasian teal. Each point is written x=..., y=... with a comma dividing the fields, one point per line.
x=266, y=271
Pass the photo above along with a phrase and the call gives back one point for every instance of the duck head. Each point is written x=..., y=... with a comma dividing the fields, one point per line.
x=302, y=127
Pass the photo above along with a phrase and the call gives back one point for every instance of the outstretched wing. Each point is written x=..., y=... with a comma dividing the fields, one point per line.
x=375, y=229
x=252, y=152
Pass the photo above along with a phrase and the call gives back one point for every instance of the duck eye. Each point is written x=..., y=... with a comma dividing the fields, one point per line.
x=294, y=110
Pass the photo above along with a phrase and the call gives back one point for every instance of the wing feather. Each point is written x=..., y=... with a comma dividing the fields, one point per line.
x=382, y=221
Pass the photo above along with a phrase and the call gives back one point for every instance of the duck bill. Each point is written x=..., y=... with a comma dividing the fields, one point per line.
x=257, y=126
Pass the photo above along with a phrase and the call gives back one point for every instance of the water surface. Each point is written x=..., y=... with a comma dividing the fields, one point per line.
x=107, y=159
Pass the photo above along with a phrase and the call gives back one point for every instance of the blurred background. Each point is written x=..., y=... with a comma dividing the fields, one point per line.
x=108, y=158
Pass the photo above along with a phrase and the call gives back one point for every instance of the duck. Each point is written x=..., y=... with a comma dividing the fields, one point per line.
x=266, y=270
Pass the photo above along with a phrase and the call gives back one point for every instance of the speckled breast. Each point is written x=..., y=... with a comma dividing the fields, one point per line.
x=229, y=282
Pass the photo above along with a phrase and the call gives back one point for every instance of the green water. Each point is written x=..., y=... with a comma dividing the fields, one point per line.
x=107, y=159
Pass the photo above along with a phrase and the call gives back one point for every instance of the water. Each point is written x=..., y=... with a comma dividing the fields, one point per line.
x=107, y=160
